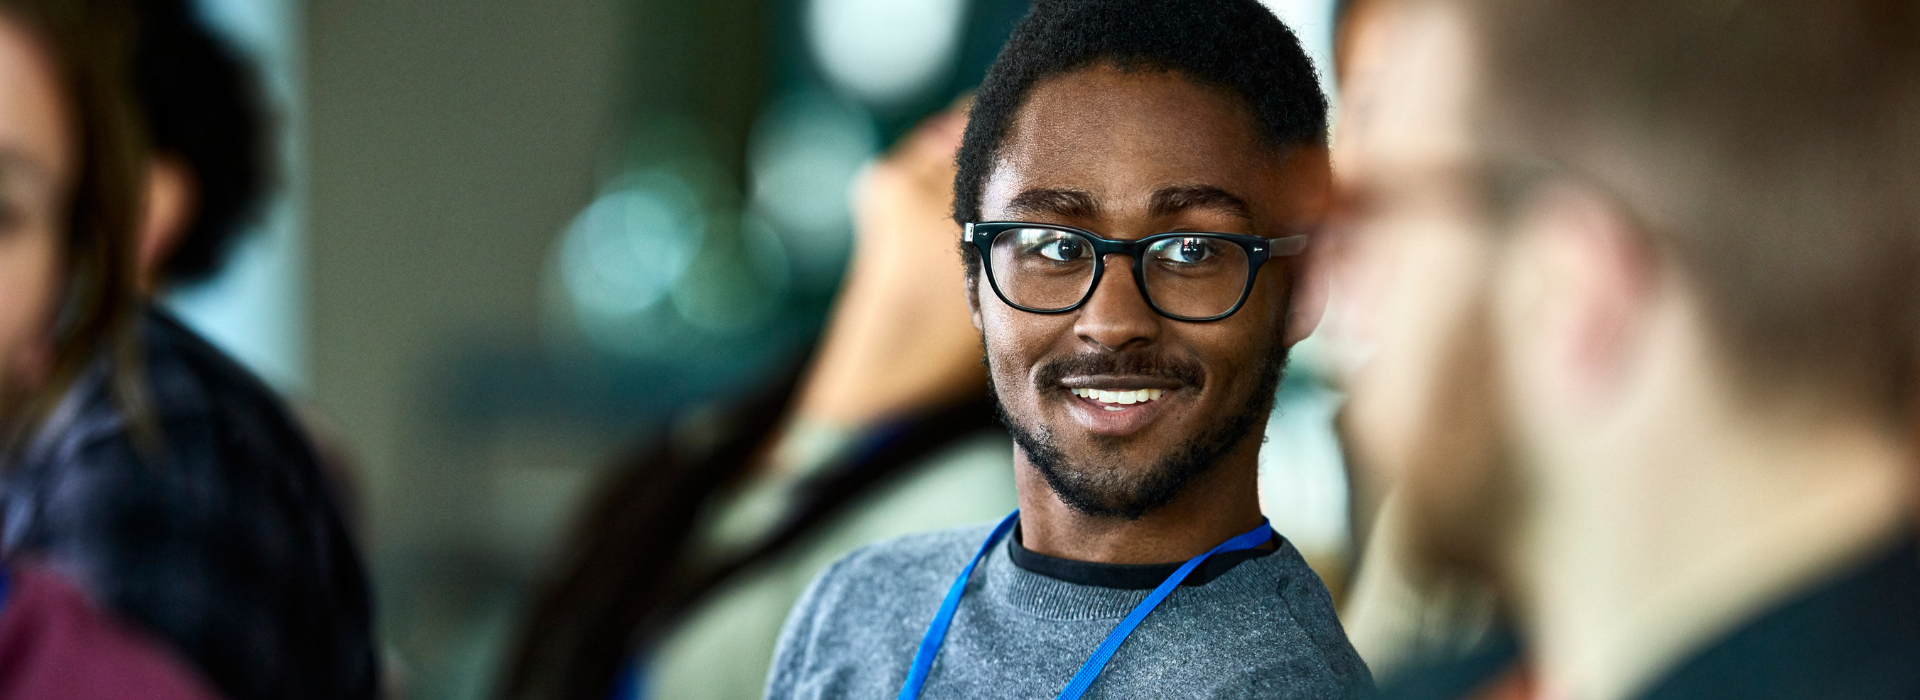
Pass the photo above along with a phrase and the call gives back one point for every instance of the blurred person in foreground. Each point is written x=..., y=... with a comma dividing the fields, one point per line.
x=678, y=579
x=1398, y=614
x=69, y=188
x=1638, y=278
x=197, y=511
x=1135, y=182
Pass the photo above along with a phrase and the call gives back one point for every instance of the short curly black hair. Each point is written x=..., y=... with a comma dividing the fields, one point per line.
x=1237, y=46
x=203, y=104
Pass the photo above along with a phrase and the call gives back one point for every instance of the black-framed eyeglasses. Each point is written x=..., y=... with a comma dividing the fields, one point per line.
x=1183, y=275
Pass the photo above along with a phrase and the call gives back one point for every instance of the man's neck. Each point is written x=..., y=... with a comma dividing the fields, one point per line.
x=1617, y=584
x=1212, y=508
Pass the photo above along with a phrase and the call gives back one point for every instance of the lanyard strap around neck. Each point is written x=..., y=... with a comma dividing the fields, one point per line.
x=1089, y=671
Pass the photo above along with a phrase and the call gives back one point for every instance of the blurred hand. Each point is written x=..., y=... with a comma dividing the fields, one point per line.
x=900, y=338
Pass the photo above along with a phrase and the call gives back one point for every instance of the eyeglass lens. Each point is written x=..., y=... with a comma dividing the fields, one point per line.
x=1185, y=277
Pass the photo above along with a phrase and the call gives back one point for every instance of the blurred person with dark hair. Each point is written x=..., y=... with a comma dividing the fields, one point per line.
x=69, y=178
x=70, y=153
x=1637, y=277
x=213, y=150
x=1134, y=367
x=199, y=511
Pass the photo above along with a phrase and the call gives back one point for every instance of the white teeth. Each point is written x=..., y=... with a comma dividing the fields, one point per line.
x=1122, y=398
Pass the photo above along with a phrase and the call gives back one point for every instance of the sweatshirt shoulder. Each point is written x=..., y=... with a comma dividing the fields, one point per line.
x=1311, y=606
x=900, y=568
x=939, y=549
x=907, y=559
x=876, y=597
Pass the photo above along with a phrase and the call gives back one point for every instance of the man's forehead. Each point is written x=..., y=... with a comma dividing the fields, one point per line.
x=1127, y=135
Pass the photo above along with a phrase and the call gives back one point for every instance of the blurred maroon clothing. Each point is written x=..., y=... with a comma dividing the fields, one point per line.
x=54, y=645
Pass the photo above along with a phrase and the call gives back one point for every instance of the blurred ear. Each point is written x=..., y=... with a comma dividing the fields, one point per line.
x=1587, y=290
x=172, y=196
x=1310, y=292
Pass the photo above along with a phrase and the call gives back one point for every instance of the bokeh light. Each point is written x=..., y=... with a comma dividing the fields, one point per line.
x=884, y=52
x=736, y=284
x=806, y=150
x=624, y=253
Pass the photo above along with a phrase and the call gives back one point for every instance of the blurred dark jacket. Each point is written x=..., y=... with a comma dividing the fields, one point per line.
x=220, y=534
x=1854, y=636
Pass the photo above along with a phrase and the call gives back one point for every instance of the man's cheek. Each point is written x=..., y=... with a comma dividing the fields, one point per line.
x=1008, y=365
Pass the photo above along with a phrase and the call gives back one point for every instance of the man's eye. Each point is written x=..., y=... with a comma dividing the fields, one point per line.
x=1187, y=251
x=1063, y=249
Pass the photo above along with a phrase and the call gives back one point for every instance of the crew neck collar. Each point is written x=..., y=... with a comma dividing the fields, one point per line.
x=1257, y=573
x=1128, y=577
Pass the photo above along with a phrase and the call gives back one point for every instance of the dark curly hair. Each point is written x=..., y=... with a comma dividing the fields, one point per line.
x=1236, y=46
x=202, y=103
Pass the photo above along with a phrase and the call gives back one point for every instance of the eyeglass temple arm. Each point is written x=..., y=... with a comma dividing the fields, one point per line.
x=1285, y=245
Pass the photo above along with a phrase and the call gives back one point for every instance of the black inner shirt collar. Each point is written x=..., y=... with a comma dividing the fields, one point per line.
x=1131, y=577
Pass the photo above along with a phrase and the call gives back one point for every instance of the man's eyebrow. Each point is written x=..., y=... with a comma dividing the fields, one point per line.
x=1072, y=204
x=1174, y=199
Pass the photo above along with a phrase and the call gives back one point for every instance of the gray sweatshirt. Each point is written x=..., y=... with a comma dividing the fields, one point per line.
x=1265, y=628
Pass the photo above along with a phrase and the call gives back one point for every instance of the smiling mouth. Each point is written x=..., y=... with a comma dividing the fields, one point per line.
x=1119, y=399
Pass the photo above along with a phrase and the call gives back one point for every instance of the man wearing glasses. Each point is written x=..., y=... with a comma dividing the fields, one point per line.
x=1135, y=185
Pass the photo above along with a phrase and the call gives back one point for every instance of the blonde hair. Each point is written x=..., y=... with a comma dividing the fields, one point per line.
x=1771, y=148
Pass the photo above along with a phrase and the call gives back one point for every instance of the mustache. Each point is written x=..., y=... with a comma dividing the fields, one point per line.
x=1186, y=372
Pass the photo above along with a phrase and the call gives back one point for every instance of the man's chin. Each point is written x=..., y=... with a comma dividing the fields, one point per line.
x=1108, y=481
x=1121, y=494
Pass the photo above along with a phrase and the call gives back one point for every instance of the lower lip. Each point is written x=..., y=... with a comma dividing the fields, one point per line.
x=1098, y=419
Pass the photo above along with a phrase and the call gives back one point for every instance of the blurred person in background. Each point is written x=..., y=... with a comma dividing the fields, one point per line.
x=1136, y=403
x=1637, y=277
x=1398, y=615
x=178, y=492
x=684, y=569
x=70, y=154
x=213, y=146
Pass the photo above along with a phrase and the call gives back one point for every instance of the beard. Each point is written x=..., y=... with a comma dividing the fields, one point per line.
x=1094, y=486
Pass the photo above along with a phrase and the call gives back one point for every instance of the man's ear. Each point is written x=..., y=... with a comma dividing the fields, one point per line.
x=1585, y=287
x=973, y=301
x=172, y=196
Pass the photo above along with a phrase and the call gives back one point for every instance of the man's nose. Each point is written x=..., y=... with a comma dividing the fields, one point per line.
x=1116, y=316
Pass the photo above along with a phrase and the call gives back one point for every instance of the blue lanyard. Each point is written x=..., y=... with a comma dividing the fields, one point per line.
x=937, y=632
